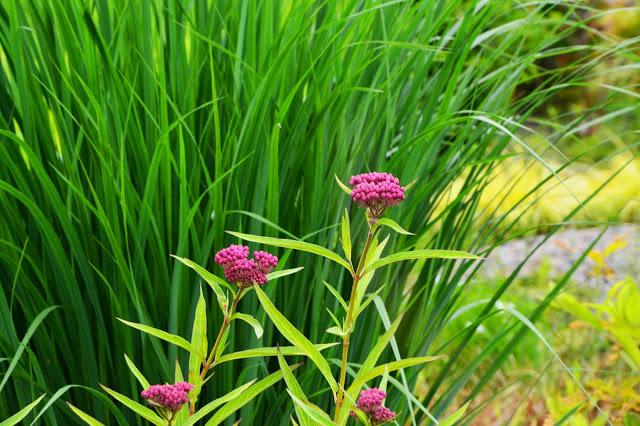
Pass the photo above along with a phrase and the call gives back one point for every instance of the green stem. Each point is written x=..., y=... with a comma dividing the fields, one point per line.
x=348, y=323
x=225, y=323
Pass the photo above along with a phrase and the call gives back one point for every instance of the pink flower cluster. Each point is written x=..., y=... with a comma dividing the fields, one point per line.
x=172, y=397
x=241, y=270
x=376, y=191
x=370, y=402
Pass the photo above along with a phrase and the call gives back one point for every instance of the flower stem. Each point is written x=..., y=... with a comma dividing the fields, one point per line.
x=225, y=323
x=349, y=321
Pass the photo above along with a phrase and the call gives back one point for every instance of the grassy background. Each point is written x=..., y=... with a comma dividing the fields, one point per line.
x=131, y=130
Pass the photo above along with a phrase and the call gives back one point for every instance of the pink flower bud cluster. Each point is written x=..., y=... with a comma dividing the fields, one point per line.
x=370, y=402
x=172, y=397
x=376, y=191
x=241, y=270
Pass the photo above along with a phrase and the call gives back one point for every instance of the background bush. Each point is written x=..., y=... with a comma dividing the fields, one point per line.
x=134, y=130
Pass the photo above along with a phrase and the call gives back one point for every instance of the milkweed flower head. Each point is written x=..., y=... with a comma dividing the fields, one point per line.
x=370, y=403
x=241, y=270
x=171, y=397
x=376, y=191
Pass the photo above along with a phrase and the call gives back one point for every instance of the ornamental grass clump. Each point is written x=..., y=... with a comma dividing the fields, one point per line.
x=375, y=192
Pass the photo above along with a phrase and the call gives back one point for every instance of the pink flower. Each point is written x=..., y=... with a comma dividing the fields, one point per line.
x=241, y=270
x=172, y=397
x=376, y=191
x=370, y=399
x=266, y=261
x=245, y=272
x=370, y=402
x=228, y=256
x=382, y=415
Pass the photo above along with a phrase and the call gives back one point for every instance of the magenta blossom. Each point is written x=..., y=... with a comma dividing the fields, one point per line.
x=376, y=191
x=370, y=403
x=241, y=270
x=171, y=397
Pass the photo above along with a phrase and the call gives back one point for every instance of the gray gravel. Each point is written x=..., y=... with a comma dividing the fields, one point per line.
x=561, y=250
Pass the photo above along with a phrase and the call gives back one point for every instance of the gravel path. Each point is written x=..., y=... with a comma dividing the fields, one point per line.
x=562, y=249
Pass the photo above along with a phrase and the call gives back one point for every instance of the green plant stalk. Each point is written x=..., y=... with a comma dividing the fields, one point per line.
x=348, y=323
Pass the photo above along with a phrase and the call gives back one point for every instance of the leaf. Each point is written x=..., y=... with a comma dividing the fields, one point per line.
x=214, y=281
x=337, y=295
x=269, y=351
x=283, y=273
x=452, y=420
x=161, y=334
x=293, y=244
x=410, y=184
x=17, y=418
x=392, y=366
x=84, y=416
x=257, y=327
x=23, y=343
x=420, y=254
x=208, y=408
x=244, y=398
x=342, y=186
x=294, y=389
x=385, y=221
x=200, y=343
x=346, y=235
x=337, y=331
x=369, y=299
x=317, y=416
x=296, y=338
x=138, y=375
x=137, y=408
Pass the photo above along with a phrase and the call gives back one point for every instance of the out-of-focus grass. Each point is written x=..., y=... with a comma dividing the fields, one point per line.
x=512, y=179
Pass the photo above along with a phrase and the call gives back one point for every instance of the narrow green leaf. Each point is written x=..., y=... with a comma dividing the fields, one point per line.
x=244, y=398
x=294, y=389
x=346, y=235
x=318, y=417
x=216, y=283
x=296, y=338
x=369, y=299
x=336, y=330
x=23, y=343
x=17, y=418
x=337, y=295
x=208, y=408
x=84, y=416
x=137, y=408
x=269, y=351
x=385, y=221
x=452, y=420
x=342, y=186
x=200, y=343
x=293, y=244
x=257, y=327
x=283, y=273
x=161, y=334
x=420, y=254
x=392, y=366
x=138, y=375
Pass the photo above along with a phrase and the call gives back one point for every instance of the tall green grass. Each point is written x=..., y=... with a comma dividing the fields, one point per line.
x=132, y=130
